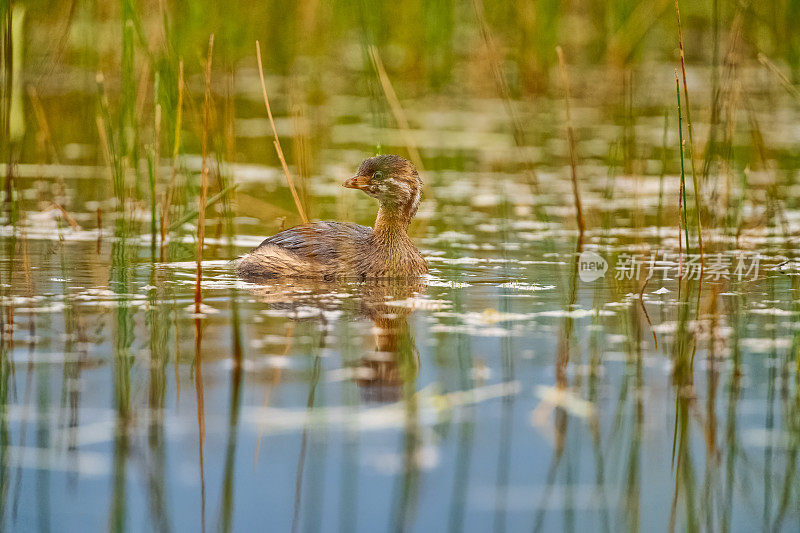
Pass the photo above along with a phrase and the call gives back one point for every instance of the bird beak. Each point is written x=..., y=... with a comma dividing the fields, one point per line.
x=356, y=182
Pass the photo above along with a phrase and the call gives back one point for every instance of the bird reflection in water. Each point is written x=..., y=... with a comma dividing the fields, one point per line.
x=393, y=361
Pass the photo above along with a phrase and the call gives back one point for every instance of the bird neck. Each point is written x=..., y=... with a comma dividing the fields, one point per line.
x=391, y=225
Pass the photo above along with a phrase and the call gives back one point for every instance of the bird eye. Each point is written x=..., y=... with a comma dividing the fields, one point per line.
x=378, y=175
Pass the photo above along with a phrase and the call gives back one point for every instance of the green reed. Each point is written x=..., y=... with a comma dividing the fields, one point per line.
x=682, y=376
x=153, y=161
x=236, y=382
x=109, y=145
x=682, y=373
x=7, y=59
x=176, y=148
x=227, y=187
x=683, y=172
x=128, y=124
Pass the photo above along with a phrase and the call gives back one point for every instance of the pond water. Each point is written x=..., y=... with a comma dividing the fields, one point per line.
x=534, y=380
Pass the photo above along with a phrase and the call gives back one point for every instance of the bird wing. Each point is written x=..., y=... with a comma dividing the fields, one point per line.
x=321, y=241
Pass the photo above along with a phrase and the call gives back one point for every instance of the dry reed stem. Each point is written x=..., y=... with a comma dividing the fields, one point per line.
x=758, y=140
x=209, y=202
x=41, y=119
x=689, y=128
x=730, y=130
x=71, y=221
x=201, y=417
x=157, y=141
x=99, y=229
x=44, y=127
x=175, y=151
x=142, y=91
x=397, y=109
x=230, y=120
x=115, y=171
x=101, y=131
x=505, y=94
x=571, y=136
x=644, y=308
x=276, y=142
x=201, y=206
x=300, y=142
x=785, y=82
x=723, y=87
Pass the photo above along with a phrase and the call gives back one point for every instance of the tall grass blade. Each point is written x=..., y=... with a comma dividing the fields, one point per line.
x=689, y=129
x=277, y=141
x=576, y=193
x=683, y=171
x=176, y=147
x=397, y=109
